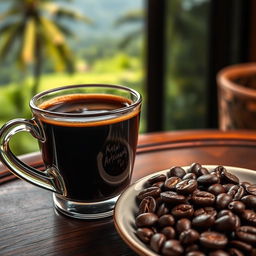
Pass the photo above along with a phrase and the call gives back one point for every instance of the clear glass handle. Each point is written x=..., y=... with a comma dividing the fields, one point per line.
x=49, y=179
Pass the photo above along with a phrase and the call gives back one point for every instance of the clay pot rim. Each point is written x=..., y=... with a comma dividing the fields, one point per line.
x=225, y=75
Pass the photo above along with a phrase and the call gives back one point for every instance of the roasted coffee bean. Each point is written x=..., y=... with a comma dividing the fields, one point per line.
x=169, y=232
x=236, y=206
x=240, y=193
x=166, y=220
x=218, y=170
x=218, y=253
x=235, y=252
x=205, y=210
x=249, y=201
x=210, y=210
x=188, y=236
x=172, y=197
x=246, y=234
x=182, y=211
x=183, y=224
x=151, y=191
x=158, y=184
x=236, y=192
x=144, y=234
x=190, y=176
x=148, y=204
x=203, y=221
x=207, y=179
x=158, y=201
x=199, y=211
x=226, y=223
x=245, y=184
x=245, y=247
x=203, y=171
x=227, y=186
x=251, y=189
x=194, y=168
x=232, y=190
x=157, y=241
x=195, y=253
x=172, y=248
x=162, y=209
x=214, y=203
x=213, y=240
x=224, y=212
x=223, y=200
x=233, y=218
x=186, y=186
x=216, y=189
x=170, y=184
x=203, y=198
x=228, y=177
x=156, y=178
x=218, y=174
x=249, y=216
x=191, y=248
x=147, y=219
x=176, y=171
x=237, y=222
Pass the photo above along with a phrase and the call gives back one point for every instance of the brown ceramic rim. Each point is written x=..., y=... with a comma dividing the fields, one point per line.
x=226, y=74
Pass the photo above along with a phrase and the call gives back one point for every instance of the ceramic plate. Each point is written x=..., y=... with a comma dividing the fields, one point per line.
x=126, y=208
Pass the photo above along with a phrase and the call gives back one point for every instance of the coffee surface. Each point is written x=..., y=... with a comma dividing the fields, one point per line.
x=94, y=158
x=87, y=104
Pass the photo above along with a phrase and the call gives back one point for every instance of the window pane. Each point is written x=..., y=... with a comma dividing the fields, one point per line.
x=186, y=64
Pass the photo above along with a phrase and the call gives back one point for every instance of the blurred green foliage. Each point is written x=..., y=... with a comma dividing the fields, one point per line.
x=118, y=69
x=33, y=31
x=186, y=64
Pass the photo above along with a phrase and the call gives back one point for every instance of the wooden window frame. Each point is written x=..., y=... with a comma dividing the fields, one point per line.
x=231, y=40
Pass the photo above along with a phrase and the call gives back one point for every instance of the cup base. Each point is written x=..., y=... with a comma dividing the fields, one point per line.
x=87, y=211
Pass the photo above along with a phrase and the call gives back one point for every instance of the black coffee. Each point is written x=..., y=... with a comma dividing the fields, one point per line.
x=95, y=157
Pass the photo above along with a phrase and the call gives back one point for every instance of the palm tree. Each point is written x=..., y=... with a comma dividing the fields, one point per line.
x=132, y=16
x=32, y=31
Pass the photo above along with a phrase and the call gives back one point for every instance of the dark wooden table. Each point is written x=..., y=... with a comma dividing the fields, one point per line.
x=29, y=225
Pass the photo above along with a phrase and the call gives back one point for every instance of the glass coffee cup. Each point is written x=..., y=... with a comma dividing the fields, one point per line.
x=87, y=135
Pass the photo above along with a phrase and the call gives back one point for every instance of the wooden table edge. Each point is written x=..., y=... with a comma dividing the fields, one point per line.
x=169, y=139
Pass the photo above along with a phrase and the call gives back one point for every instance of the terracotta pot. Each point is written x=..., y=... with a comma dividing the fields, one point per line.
x=237, y=96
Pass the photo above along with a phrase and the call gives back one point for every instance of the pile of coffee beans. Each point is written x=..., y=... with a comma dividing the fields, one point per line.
x=197, y=212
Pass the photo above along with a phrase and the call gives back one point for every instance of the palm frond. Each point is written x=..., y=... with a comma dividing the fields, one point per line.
x=32, y=30
x=52, y=31
x=50, y=50
x=129, y=17
x=129, y=38
x=9, y=13
x=8, y=40
x=11, y=0
x=63, y=12
x=67, y=57
x=28, y=48
x=65, y=30
x=5, y=27
x=74, y=15
x=60, y=55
